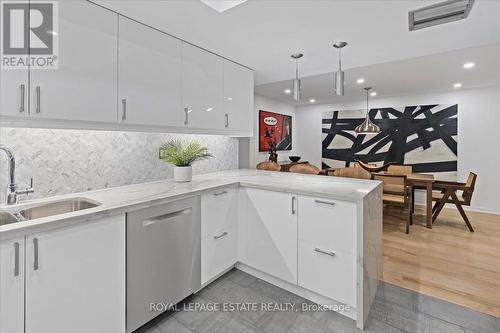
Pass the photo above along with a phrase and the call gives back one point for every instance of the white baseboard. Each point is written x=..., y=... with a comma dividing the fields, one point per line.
x=420, y=200
x=467, y=208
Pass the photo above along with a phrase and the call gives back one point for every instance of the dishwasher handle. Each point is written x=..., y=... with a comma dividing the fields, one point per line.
x=165, y=217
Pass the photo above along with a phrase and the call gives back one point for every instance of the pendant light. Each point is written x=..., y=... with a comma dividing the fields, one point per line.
x=367, y=126
x=296, y=81
x=338, y=83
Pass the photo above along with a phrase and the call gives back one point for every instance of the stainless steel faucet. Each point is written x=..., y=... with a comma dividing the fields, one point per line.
x=12, y=191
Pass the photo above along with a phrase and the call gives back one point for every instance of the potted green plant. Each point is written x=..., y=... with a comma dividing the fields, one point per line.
x=182, y=155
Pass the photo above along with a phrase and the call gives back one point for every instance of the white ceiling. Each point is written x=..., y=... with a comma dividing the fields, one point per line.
x=262, y=34
x=438, y=72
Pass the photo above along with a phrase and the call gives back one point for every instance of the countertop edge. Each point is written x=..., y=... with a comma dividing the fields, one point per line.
x=89, y=215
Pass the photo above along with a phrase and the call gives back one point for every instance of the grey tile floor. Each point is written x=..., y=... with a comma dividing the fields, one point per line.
x=394, y=310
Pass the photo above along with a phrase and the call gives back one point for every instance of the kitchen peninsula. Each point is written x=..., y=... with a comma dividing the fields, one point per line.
x=318, y=237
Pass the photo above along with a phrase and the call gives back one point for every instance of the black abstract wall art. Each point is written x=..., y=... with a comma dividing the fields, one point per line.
x=424, y=136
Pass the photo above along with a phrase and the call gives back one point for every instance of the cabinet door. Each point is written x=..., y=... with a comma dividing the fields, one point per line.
x=202, y=85
x=328, y=223
x=328, y=272
x=272, y=233
x=14, y=92
x=12, y=285
x=75, y=279
x=149, y=76
x=238, y=97
x=85, y=85
x=327, y=243
x=219, y=233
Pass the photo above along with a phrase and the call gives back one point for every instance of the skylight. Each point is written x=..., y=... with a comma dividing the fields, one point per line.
x=222, y=5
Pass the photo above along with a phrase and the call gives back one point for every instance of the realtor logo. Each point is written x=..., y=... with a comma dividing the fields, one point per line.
x=29, y=35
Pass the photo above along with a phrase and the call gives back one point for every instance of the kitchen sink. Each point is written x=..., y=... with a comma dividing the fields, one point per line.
x=7, y=218
x=57, y=207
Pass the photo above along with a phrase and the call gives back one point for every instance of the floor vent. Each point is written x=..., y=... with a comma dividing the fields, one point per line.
x=440, y=13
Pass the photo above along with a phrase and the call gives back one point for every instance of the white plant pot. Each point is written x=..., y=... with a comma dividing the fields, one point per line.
x=183, y=174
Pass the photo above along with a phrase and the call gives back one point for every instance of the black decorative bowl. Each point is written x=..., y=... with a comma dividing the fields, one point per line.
x=294, y=158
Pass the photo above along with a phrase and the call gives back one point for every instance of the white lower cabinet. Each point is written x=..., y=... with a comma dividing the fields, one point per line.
x=12, y=285
x=75, y=279
x=326, y=250
x=219, y=232
x=327, y=272
x=272, y=233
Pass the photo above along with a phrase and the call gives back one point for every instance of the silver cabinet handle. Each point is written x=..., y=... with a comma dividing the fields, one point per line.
x=293, y=205
x=35, y=254
x=227, y=120
x=124, y=109
x=216, y=194
x=331, y=203
x=22, y=89
x=37, y=100
x=330, y=253
x=186, y=120
x=16, y=259
x=221, y=235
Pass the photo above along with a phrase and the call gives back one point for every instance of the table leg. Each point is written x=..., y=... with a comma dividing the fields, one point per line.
x=429, y=206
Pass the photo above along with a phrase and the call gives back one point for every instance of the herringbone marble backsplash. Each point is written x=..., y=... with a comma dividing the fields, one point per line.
x=69, y=161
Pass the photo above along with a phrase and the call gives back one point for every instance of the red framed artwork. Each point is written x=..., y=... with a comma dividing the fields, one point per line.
x=274, y=127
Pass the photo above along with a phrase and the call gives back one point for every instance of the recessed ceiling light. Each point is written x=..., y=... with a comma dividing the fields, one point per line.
x=468, y=65
x=457, y=85
x=312, y=100
x=288, y=91
x=209, y=109
x=360, y=80
x=229, y=98
x=373, y=93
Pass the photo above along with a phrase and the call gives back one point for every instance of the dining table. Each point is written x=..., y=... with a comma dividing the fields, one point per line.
x=421, y=181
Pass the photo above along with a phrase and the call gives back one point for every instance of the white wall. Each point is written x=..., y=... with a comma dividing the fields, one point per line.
x=478, y=134
x=268, y=104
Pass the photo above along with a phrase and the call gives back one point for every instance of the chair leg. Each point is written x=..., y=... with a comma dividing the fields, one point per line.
x=435, y=206
x=462, y=212
x=409, y=217
x=442, y=202
x=413, y=200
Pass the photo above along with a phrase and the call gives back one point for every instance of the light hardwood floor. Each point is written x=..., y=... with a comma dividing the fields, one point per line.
x=448, y=261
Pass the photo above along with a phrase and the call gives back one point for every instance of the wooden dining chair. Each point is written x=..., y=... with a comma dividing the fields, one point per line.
x=270, y=166
x=371, y=167
x=397, y=192
x=398, y=169
x=449, y=193
x=305, y=168
x=358, y=172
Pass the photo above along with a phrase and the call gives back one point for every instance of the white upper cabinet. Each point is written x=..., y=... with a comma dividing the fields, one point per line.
x=149, y=76
x=12, y=285
x=202, y=88
x=13, y=92
x=238, y=97
x=84, y=85
x=116, y=72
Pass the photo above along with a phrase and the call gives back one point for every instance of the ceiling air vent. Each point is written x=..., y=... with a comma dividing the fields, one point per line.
x=440, y=13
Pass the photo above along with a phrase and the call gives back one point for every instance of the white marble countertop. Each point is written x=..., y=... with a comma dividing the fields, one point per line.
x=119, y=200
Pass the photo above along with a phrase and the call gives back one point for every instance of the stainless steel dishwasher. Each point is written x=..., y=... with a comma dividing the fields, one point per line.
x=163, y=258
